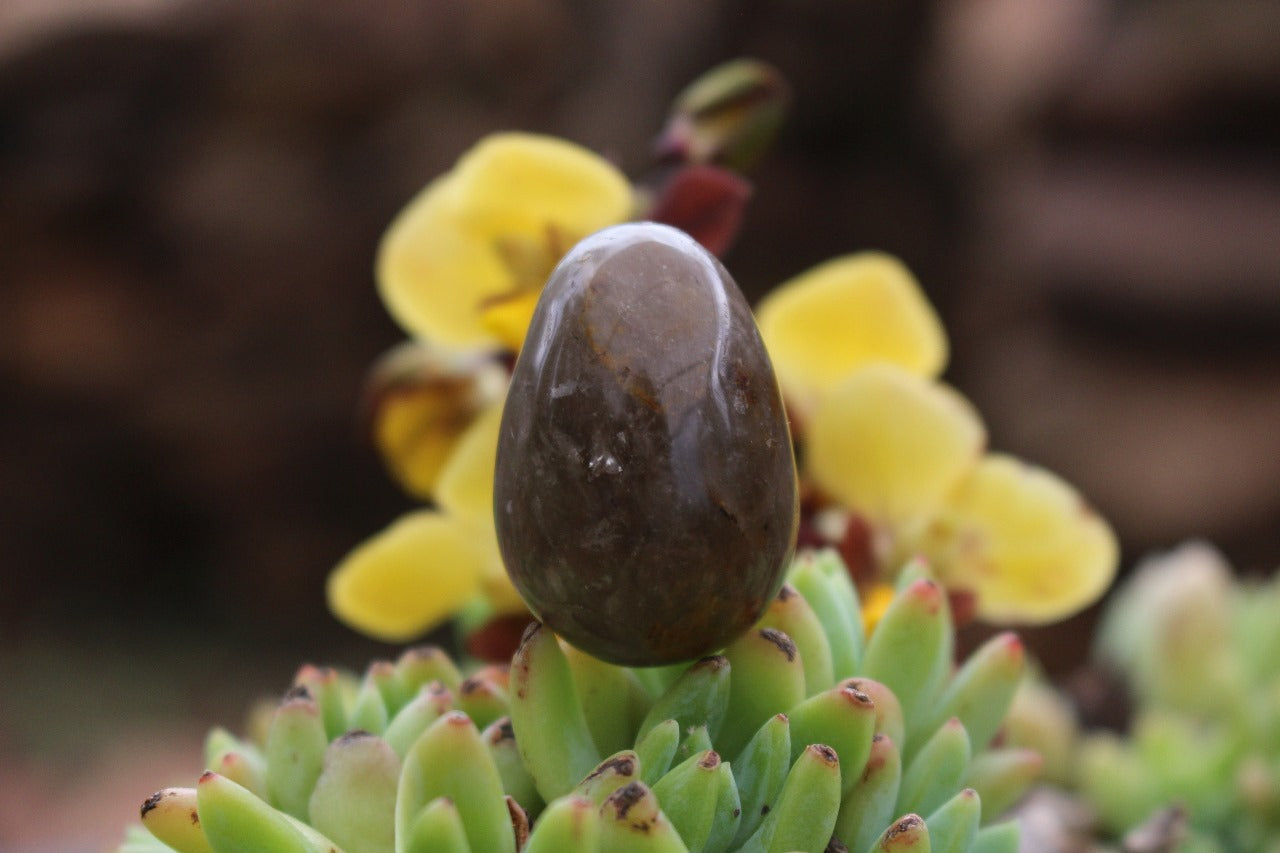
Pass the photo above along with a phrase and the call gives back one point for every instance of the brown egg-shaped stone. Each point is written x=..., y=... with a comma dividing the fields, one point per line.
x=645, y=492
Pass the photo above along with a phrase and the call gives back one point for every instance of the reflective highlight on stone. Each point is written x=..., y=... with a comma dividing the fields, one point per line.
x=645, y=492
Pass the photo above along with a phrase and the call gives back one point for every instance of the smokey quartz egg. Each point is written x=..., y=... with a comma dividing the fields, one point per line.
x=645, y=493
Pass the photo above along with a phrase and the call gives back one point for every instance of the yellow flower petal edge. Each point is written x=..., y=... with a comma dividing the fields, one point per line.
x=519, y=183
x=497, y=223
x=844, y=314
x=890, y=445
x=465, y=486
x=495, y=583
x=408, y=578
x=421, y=400
x=508, y=319
x=433, y=274
x=1024, y=541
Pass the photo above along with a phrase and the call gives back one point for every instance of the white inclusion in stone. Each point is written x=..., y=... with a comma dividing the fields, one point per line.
x=604, y=463
x=563, y=389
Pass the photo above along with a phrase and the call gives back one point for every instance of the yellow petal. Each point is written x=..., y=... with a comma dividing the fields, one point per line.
x=844, y=314
x=875, y=601
x=433, y=274
x=420, y=401
x=409, y=578
x=521, y=183
x=465, y=487
x=507, y=318
x=512, y=205
x=414, y=434
x=890, y=445
x=1024, y=541
x=496, y=585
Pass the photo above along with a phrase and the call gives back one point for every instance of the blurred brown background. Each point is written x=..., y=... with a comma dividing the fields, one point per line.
x=190, y=197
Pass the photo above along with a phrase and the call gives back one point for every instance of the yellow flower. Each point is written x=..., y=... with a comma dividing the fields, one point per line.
x=461, y=269
x=844, y=314
x=464, y=262
x=857, y=349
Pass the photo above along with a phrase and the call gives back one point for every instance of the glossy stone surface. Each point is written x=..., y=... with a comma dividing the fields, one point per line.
x=645, y=493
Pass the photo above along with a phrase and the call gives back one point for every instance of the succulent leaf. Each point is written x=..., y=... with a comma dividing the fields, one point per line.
x=549, y=723
x=844, y=719
x=420, y=665
x=483, y=697
x=234, y=820
x=936, y=770
x=326, y=687
x=761, y=771
x=982, y=690
x=910, y=652
x=888, y=711
x=1001, y=777
x=171, y=815
x=835, y=604
x=354, y=799
x=868, y=806
x=908, y=834
x=656, y=750
x=437, y=828
x=500, y=737
x=805, y=812
x=611, y=774
x=997, y=838
x=633, y=821
x=432, y=701
x=238, y=760
x=369, y=713
x=697, y=698
x=767, y=678
x=296, y=744
x=701, y=800
x=569, y=823
x=450, y=760
x=614, y=700
x=954, y=825
x=791, y=614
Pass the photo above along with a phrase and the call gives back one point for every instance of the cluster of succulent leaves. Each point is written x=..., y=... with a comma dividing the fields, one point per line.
x=806, y=733
x=1200, y=652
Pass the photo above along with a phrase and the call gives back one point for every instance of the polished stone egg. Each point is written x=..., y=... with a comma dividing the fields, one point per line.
x=645, y=493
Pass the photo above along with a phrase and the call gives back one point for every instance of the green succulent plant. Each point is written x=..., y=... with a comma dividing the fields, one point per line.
x=806, y=733
x=1200, y=652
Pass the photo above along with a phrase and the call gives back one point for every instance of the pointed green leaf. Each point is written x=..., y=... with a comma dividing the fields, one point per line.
x=761, y=771
x=936, y=772
x=551, y=729
x=766, y=678
x=697, y=698
x=910, y=651
x=954, y=825
x=451, y=760
x=844, y=719
x=868, y=807
x=354, y=800
x=632, y=821
x=296, y=743
x=792, y=614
